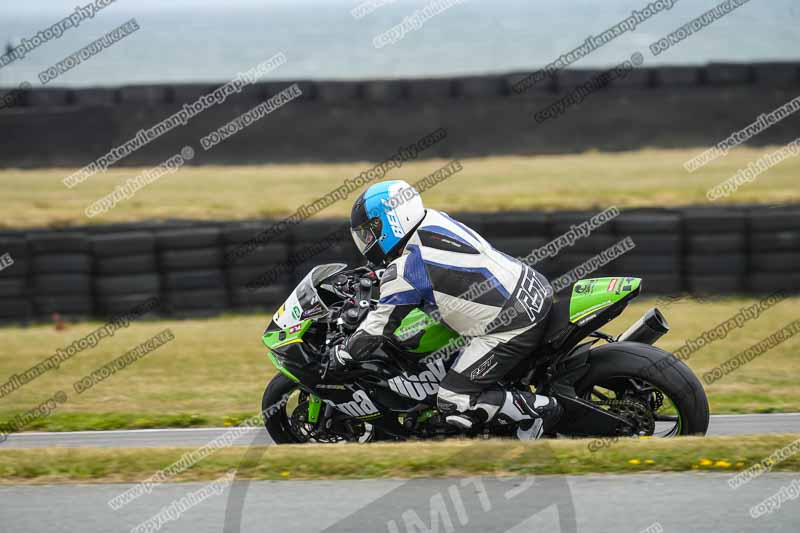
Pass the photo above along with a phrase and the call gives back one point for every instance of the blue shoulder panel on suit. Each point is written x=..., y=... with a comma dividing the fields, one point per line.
x=415, y=274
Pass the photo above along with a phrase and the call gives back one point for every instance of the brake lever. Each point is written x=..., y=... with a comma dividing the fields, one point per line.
x=325, y=368
x=337, y=339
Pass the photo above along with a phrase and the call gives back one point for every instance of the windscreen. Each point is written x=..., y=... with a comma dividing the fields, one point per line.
x=304, y=301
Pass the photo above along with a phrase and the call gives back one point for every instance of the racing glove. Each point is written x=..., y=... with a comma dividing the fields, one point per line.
x=338, y=358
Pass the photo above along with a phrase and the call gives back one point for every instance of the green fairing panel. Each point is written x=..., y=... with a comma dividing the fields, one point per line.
x=436, y=334
x=281, y=337
x=279, y=365
x=595, y=294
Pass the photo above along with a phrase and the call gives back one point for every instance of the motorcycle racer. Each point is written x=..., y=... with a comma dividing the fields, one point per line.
x=498, y=303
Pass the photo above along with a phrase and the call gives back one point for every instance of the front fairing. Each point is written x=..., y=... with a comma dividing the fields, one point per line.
x=286, y=349
x=296, y=337
x=287, y=335
x=305, y=303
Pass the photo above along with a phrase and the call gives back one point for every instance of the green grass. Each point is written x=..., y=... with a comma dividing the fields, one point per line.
x=402, y=460
x=652, y=177
x=105, y=421
x=215, y=370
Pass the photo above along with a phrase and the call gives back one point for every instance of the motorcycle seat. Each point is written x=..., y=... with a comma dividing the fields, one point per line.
x=557, y=320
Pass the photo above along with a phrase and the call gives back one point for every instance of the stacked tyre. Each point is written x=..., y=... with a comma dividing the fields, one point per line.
x=314, y=243
x=520, y=235
x=571, y=258
x=658, y=248
x=716, y=258
x=190, y=261
x=126, y=271
x=15, y=293
x=258, y=276
x=61, y=266
x=775, y=251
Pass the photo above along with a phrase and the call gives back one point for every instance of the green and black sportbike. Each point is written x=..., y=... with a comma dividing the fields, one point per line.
x=624, y=386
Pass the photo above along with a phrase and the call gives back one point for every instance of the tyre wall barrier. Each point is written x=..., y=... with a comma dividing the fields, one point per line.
x=368, y=120
x=204, y=268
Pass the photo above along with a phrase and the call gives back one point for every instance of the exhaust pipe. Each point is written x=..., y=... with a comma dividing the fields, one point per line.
x=648, y=329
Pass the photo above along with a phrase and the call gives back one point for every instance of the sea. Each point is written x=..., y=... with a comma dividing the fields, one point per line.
x=181, y=41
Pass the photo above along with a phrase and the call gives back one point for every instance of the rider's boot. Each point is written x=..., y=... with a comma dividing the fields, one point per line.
x=534, y=414
x=463, y=420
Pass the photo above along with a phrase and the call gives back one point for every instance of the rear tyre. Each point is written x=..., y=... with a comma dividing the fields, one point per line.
x=616, y=363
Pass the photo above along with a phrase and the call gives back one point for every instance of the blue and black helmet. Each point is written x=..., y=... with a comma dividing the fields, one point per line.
x=383, y=217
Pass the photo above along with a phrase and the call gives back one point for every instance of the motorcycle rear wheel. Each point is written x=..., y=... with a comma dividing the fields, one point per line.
x=628, y=367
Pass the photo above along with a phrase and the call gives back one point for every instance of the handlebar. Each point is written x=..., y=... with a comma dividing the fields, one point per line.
x=355, y=288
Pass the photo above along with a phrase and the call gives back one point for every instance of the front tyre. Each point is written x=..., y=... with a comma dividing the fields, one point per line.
x=631, y=377
x=279, y=393
x=284, y=408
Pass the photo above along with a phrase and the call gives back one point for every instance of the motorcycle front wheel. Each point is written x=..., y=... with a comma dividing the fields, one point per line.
x=284, y=409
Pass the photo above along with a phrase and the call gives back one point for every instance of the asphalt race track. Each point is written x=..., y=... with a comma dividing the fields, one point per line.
x=195, y=437
x=697, y=502
x=585, y=504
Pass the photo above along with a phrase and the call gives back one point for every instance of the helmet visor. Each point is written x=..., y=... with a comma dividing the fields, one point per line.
x=366, y=235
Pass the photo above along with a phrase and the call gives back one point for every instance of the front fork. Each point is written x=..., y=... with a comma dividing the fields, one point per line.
x=314, y=404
